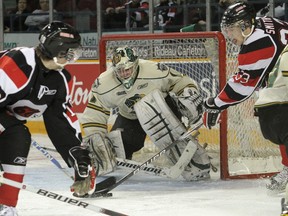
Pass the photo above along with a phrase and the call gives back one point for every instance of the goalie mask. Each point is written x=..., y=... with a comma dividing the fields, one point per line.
x=238, y=17
x=60, y=40
x=125, y=65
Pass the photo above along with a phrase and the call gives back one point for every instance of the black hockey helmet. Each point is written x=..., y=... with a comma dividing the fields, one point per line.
x=240, y=12
x=57, y=38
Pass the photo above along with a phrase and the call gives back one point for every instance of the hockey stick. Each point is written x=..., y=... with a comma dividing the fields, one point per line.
x=56, y=196
x=173, y=171
x=149, y=169
x=161, y=152
x=99, y=186
x=131, y=164
x=51, y=158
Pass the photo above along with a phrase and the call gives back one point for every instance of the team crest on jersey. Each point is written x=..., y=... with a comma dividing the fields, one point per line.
x=44, y=90
x=133, y=100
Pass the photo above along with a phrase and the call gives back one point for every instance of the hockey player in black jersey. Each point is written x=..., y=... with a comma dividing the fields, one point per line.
x=261, y=41
x=34, y=83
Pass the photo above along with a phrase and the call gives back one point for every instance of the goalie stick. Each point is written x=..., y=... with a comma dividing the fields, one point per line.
x=130, y=164
x=99, y=186
x=55, y=196
x=171, y=172
x=140, y=167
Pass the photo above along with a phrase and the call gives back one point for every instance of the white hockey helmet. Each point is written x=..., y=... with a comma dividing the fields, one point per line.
x=125, y=65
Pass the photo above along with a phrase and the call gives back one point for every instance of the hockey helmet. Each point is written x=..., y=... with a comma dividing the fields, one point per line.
x=240, y=14
x=125, y=65
x=58, y=39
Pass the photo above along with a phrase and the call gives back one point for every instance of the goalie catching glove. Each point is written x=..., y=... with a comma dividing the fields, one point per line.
x=190, y=104
x=211, y=113
x=85, y=173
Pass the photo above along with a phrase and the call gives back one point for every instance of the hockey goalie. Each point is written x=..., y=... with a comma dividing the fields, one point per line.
x=151, y=99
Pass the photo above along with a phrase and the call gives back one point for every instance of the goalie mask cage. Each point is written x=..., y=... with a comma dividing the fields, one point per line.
x=236, y=145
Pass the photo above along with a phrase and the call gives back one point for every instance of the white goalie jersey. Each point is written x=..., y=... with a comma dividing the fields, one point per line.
x=276, y=91
x=108, y=93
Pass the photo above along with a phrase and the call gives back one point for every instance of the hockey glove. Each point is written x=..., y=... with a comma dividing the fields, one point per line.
x=85, y=173
x=190, y=104
x=211, y=113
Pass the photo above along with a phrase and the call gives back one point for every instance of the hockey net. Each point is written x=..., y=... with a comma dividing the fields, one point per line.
x=236, y=145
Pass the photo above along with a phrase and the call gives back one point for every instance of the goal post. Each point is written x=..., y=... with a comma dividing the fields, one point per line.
x=236, y=144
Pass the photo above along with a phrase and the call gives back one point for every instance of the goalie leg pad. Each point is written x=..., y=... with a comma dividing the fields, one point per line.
x=102, y=153
x=163, y=128
x=157, y=119
x=117, y=142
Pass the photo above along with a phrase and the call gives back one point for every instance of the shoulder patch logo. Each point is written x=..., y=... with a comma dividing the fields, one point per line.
x=20, y=160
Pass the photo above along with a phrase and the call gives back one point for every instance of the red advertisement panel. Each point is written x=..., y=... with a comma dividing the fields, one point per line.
x=83, y=75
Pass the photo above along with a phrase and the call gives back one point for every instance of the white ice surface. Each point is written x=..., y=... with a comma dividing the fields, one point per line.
x=146, y=195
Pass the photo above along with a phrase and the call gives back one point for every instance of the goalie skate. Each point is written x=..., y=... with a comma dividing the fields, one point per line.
x=7, y=211
x=278, y=182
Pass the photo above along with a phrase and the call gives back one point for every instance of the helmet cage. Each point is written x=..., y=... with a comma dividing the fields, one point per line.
x=71, y=55
x=124, y=59
x=242, y=25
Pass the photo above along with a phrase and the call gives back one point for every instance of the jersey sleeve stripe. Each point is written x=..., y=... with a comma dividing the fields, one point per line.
x=232, y=97
x=12, y=70
x=285, y=73
x=252, y=57
x=242, y=89
x=92, y=124
x=259, y=65
x=100, y=109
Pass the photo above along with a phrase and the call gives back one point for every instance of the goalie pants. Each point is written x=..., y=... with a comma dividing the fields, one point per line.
x=133, y=136
x=274, y=125
x=14, y=148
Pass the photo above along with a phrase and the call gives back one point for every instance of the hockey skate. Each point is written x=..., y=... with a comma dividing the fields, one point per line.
x=277, y=183
x=7, y=211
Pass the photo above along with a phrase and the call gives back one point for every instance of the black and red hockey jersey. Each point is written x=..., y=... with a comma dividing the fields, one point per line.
x=256, y=58
x=29, y=90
